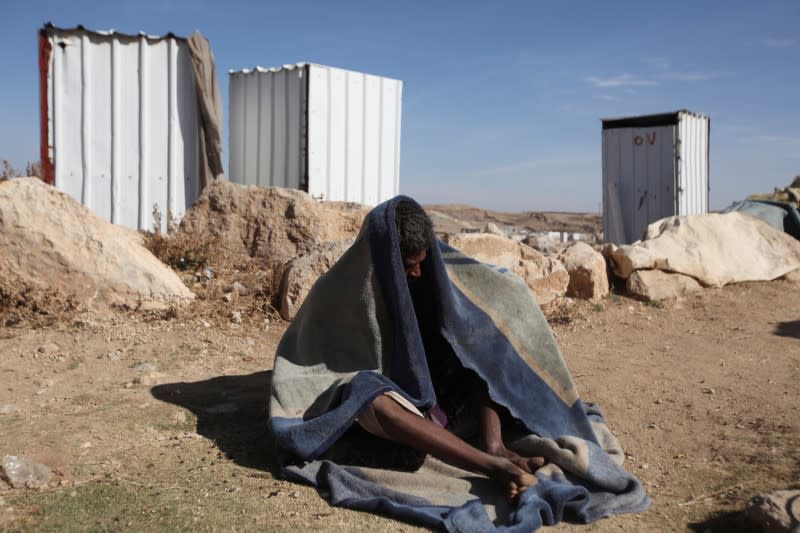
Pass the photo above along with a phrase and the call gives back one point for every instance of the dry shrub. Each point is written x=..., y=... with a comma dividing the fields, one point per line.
x=561, y=312
x=210, y=269
x=7, y=170
x=22, y=304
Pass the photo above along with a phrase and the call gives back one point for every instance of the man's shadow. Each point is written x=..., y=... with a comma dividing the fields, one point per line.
x=232, y=412
x=788, y=329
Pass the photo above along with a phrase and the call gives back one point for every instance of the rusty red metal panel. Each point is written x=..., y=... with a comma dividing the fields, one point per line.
x=48, y=169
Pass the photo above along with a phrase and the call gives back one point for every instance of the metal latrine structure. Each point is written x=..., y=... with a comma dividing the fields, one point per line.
x=654, y=166
x=119, y=122
x=331, y=132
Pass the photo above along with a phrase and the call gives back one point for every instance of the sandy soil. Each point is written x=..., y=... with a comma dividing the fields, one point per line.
x=158, y=421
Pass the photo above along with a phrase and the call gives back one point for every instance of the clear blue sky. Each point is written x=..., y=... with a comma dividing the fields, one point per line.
x=502, y=100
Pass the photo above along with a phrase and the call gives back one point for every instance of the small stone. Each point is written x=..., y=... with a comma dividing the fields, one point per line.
x=236, y=317
x=708, y=390
x=48, y=349
x=239, y=289
x=644, y=466
x=659, y=401
x=86, y=444
x=7, y=408
x=145, y=368
x=227, y=297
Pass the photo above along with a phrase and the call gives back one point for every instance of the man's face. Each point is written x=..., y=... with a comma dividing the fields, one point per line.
x=412, y=264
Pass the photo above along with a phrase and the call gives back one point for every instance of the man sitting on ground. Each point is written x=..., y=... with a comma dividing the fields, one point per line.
x=390, y=416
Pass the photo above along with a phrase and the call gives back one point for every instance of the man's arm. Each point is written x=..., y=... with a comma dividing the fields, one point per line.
x=404, y=427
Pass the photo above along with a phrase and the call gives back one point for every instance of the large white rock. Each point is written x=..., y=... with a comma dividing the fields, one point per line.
x=546, y=277
x=587, y=272
x=628, y=258
x=49, y=240
x=658, y=285
x=715, y=249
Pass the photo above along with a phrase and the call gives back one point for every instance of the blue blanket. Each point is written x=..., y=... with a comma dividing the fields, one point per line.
x=356, y=336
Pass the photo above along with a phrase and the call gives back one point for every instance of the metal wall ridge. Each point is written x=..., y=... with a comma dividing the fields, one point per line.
x=49, y=28
x=257, y=69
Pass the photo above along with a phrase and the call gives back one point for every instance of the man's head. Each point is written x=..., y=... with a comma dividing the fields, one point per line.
x=415, y=233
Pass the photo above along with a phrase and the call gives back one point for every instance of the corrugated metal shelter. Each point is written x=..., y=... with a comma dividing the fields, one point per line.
x=331, y=132
x=654, y=166
x=119, y=122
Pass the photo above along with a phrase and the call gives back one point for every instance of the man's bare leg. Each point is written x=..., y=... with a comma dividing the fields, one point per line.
x=423, y=435
x=491, y=431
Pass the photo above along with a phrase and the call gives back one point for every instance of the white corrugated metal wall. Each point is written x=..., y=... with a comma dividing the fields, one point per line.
x=354, y=135
x=122, y=123
x=693, y=164
x=332, y=132
x=267, y=126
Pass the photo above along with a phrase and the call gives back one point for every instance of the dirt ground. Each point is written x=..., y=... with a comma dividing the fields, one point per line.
x=158, y=421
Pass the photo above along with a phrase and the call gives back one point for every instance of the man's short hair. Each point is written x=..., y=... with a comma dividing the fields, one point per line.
x=414, y=228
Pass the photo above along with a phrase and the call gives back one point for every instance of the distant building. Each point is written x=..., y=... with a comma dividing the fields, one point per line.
x=654, y=166
x=120, y=125
x=331, y=132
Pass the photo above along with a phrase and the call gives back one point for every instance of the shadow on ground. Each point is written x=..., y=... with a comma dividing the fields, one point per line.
x=788, y=329
x=734, y=522
x=231, y=411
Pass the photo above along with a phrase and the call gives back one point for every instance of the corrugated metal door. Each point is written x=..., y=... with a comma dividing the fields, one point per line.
x=122, y=124
x=639, y=180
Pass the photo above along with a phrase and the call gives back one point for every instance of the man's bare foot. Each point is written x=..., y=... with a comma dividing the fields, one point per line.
x=528, y=464
x=515, y=479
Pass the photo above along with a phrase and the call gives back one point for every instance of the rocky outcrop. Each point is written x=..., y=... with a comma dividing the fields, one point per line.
x=49, y=240
x=299, y=275
x=587, y=272
x=546, y=277
x=273, y=223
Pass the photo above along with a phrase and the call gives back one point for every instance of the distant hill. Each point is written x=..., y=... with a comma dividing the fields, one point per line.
x=453, y=218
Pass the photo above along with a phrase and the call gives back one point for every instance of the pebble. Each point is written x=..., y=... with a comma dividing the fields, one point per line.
x=236, y=317
x=239, y=289
x=708, y=390
x=227, y=297
x=49, y=349
x=145, y=368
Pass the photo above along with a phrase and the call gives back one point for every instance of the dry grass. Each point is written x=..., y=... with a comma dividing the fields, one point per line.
x=210, y=269
x=7, y=170
x=22, y=304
